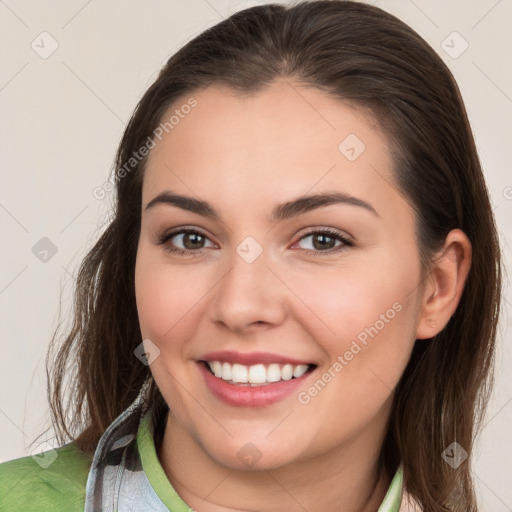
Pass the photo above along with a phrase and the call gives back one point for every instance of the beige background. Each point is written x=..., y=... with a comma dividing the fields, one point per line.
x=62, y=117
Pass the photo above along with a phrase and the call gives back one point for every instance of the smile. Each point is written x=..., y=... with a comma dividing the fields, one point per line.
x=253, y=380
x=257, y=374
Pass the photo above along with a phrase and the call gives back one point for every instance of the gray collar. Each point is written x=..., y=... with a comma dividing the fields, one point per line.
x=116, y=480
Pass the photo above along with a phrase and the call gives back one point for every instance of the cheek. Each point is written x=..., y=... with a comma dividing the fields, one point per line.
x=170, y=301
x=365, y=315
x=161, y=294
x=346, y=301
x=156, y=305
x=374, y=337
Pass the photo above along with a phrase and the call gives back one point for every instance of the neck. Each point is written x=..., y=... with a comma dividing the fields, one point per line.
x=347, y=478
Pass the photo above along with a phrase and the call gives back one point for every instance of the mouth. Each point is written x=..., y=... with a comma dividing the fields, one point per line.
x=256, y=375
x=253, y=379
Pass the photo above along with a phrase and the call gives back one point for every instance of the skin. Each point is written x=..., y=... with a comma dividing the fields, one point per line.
x=245, y=155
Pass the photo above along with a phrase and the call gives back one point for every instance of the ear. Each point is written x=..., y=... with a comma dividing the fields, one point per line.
x=445, y=284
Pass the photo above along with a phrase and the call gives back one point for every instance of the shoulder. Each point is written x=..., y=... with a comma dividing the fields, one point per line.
x=52, y=480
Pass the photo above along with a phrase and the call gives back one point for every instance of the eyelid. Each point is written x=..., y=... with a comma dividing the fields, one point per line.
x=180, y=229
x=311, y=230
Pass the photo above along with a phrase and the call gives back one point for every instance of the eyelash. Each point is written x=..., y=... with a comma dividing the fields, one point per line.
x=187, y=252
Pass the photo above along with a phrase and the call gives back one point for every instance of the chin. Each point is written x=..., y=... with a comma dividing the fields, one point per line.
x=260, y=455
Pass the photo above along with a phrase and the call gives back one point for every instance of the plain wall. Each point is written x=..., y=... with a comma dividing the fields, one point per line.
x=62, y=116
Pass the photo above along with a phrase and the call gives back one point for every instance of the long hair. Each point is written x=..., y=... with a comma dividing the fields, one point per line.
x=372, y=60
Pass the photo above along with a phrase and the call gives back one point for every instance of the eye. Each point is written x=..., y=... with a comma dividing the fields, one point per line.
x=325, y=241
x=193, y=241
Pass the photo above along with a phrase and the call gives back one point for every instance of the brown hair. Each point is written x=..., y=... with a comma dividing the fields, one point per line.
x=370, y=59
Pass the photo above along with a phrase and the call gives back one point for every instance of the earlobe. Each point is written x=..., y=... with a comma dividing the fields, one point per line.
x=445, y=284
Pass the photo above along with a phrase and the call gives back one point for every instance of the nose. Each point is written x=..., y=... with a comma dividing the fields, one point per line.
x=249, y=296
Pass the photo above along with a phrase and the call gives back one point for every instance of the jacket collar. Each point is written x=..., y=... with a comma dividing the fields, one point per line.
x=116, y=480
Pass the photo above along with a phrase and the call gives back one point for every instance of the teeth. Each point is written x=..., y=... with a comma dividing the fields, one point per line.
x=226, y=372
x=300, y=370
x=217, y=368
x=257, y=373
x=273, y=373
x=287, y=372
x=239, y=373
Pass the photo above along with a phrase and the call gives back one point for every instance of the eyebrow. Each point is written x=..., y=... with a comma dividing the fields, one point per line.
x=281, y=212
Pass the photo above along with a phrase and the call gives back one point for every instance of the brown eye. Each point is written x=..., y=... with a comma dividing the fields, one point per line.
x=186, y=241
x=192, y=240
x=322, y=241
x=325, y=241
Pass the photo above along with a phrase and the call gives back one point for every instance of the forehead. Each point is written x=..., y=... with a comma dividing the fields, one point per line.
x=283, y=140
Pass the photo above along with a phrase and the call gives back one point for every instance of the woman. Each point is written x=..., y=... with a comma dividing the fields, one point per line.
x=295, y=304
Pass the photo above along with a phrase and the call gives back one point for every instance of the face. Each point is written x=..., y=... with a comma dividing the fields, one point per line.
x=250, y=279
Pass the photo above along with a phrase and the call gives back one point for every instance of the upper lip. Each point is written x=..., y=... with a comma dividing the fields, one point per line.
x=250, y=358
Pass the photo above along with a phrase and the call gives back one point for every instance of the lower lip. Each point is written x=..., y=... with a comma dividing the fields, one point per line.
x=249, y=396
